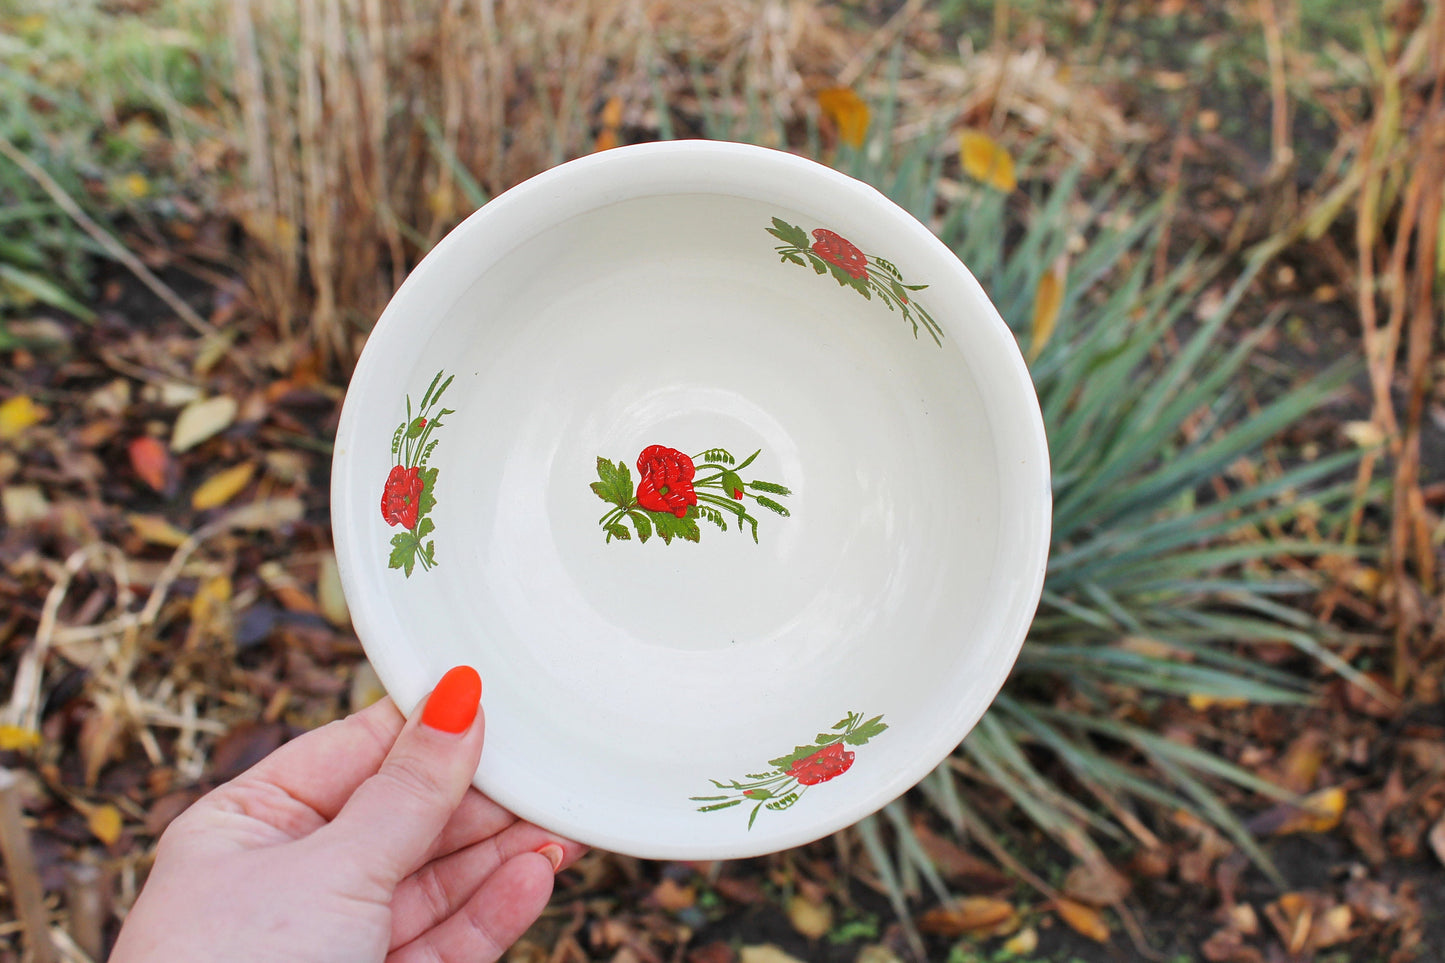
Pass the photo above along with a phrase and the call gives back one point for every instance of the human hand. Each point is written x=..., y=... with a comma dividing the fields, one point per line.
x=361, y=841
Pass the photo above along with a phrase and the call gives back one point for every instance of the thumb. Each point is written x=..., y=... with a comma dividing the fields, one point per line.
x=394, y=817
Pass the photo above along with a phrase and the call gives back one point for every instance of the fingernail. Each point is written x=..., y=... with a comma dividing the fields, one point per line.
x=454, y=702
x=553, y=852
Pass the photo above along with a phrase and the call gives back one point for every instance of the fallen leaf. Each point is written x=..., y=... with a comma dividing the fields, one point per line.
x=1228, y=946
x=1319, y=812
x=366, y=688
x=1331, y=928
x=673, y=896
x=150, y=461
x=329, y=594
x=18, y=738
x=1084, y=920
x=99, y=742
x=1365, y=434
x=848, y=113
x=23, y=504
x=1199, y=702
x=957, y=864
x=222, y=486
x=200, y=420
x=1096, y=884
x=1023, y=942
x=811, y=919
x=17, y=414
x=877, y=953
x=156, y=530
x=984, y=159
x=1292, y=915
x=1047, y=300
x=766, y=953
x=105, y=823
x=1437, y=839
x=982, y=915
x=718, y=952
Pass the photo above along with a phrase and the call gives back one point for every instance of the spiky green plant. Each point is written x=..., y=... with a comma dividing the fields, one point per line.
x=1166, y=558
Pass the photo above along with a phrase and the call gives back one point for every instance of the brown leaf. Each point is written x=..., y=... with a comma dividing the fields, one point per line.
x=811, y=919
x=223, y=486
x=1096, y=884
x=167, y=808
x=980, y=915
x=1292, y=915
x=1084, y=920
x=672, y=896
x=718, y=952
x=848, y=113
x=740, y=889
x=243, y=746
x=1228, y=946
x=98, y=742
x=957, y=864
x=329, y=594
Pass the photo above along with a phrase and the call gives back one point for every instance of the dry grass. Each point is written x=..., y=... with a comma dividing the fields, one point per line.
x=371, y=128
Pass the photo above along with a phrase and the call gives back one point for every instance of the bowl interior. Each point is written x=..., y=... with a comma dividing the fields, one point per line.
x=667, y=698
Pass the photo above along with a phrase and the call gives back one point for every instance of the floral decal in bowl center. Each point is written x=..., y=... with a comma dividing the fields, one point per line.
x=675, y=490
x=869, y=275
x=409, y=494
x=827, y=758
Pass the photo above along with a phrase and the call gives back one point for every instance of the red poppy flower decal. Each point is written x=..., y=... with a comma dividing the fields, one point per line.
x=840, y=251
x=829, y=761
x=675, y=491
x=409, y=494
x=873, y=277
x=666, y=484
x=401, y=499
x=781, y=786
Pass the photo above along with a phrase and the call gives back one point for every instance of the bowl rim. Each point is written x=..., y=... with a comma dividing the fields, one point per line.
x=620, y=174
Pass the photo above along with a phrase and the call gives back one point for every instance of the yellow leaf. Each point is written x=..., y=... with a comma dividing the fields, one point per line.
x=1319, y=812
x=17, y=414
x=848, y=113
x=813, y=920
x=222, y=486
x=13, y=738
x=1084, y=920
x=1023, y=943
x=1047, y=300
x=213, y=593
x=105, y=823
x=985, y=159
x=131, y=187
x=156, y=530
x=1199, y=702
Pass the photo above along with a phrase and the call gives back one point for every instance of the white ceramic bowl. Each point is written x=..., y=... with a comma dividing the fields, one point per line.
x=606, y=345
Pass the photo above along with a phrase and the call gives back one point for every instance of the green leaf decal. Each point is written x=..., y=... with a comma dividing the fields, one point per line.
x=616, y=483
x=789, y=233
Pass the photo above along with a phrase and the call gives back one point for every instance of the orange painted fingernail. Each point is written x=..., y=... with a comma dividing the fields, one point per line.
x=553, y=852
x=454, y=702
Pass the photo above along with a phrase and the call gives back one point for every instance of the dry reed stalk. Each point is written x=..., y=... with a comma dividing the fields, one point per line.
x=26, y=894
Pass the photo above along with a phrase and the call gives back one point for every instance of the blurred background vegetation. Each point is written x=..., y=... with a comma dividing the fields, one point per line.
x=1215, y=228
